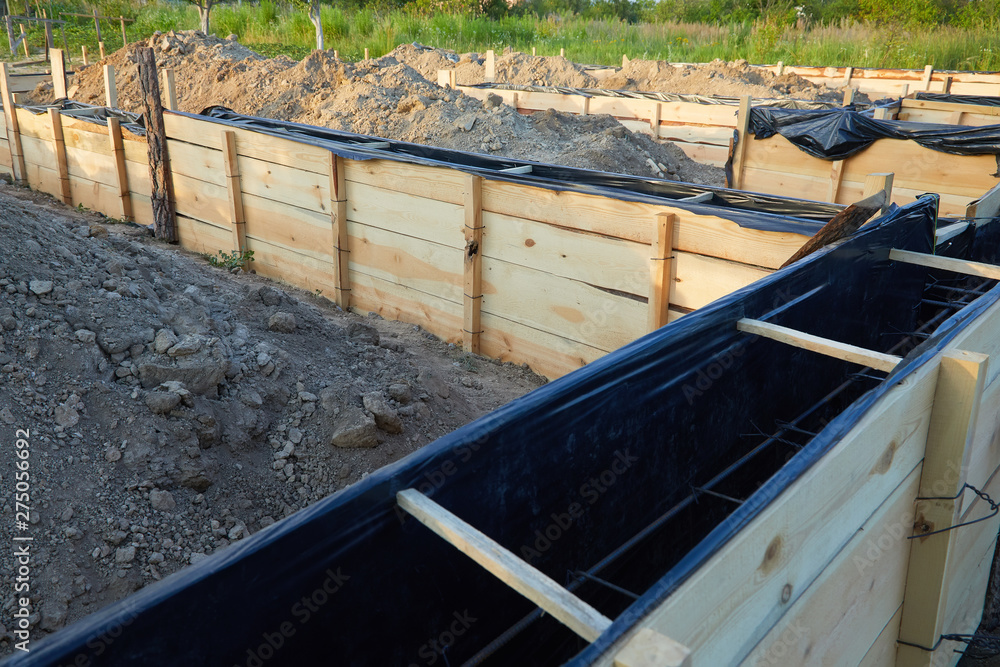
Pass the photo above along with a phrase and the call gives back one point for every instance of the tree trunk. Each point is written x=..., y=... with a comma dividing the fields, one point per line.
x=204, y=10
x=164, y=225
x=314, y=16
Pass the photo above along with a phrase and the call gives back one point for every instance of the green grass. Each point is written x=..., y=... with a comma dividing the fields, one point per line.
x=272, y=29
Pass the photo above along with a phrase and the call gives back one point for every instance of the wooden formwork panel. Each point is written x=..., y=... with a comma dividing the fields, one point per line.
x=391, y=300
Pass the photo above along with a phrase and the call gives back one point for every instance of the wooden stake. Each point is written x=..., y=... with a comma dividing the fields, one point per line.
x=742, y=139
x=836, y=175
x=118, y=151
x=124, y=36
x=905, y=91
x=928, y=73
x=162, y=196
x=654, y=119
x=848, y=74
x=341, y=245
x=562, y=605
x=97, y=29
x=661, y=270
x=472, y=326
x=946, y=87
x=169, y=91
x=59, y=148
x=625, y=61
x=955, y=410
x=532, y=51
x=648, y=648
x=366, y=54
x=585, y=109
x=840, y=226
x=110, y=91
x=84, y=51
x=13, y=130
x=881, y=113
x=9, y=25
x=849, y=97
x=881, y=182
x=491, y=67
x=831, y=348
x=236, y=215
x=781, y=68
x=24, y=40
x=58, y=58
x=100, y=48
x=562, y=53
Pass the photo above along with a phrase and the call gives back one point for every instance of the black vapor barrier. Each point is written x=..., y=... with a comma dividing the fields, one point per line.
x=747, y=209
x=981, y=100
x=133, y=122
x=839, y=133
x=668, y=97
x=618, y=480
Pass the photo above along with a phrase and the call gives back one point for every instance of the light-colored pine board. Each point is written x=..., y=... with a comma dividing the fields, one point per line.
x=39, y=152
x=95, y=196
x=661, y=275
x=304, y=189
x=92, y=167
x=43, y=179
x=412, y=179
x=422, y=266
x=201, y=201
x=559, y=603
x=713, y=155
x=138, y=179
x=290, y=267
x=398, y=302
x=883, y=652
x=838, y=617
x=121, y=176
x=986, y=207
x=951, y=435
x=743, y=141
x=651, y=649
x=32, y=125
x=960, y=266
x=547, y=354
x=700, y=280
x=418, y=217
x=196, y=162
x=562, y=307
x=340, y=238
x=237, y=216
x=924, y=168
x=298, y=230
x=724, y=609
x=831, y=348
x=473, y=258
x=202, y=237
x=142, y=208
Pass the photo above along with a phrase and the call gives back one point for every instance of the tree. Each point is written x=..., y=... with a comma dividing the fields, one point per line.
x=312, y=9
x=204, y=10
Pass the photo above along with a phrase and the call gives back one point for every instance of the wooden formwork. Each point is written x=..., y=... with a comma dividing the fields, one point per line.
x=947, y=113
x=896, y=82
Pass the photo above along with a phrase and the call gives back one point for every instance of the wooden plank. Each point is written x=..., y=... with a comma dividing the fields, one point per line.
x=831, y=348
x=472, y=329
x=43, y=179
x=986, y=207
x=341, y=238
x=836, y=174
x=202, y=201
x=236, y=215
x=654, y=120
x=935, y=105
x=661, y=270
x=547, y=354
x=447, y=185
x=11, y=122
x=883, y=652
x=288, y=266
x=928, y=75
x=398, y=302
x=950, y=436
x=169, y=89
x=881, y=182
x=743, y=141
x=418, y=217
x=918, y=167
x=59, y=148
x=95, y=196
x=295, y=229
x=304, y=189
x=118, y=152
x=34, y=125
x=569, y=610
x=838, y=617
x=202, y=237
x=963, y=266
x=651, y=649
x=39, y=152
x=110, y=89
x=57, y=58
x=732, y=601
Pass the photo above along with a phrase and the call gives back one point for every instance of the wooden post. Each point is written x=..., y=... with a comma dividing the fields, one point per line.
x=341, y=246
x=473, y=263
x=648, y=648
x=100, y=48
x=661, y=270
x=491, y=67
x=9, y=24
x=83, y=49
x=836, y=176
x=97, y=28
x=625, y=61
x=49, y=39
x=24, y=40
x=905, y=91
x=124, y=36
x=928, y=73
x=447, y=78
x=110, y=91
x=881, y=113
x=654, y=120
x=532, y=51
x=781, y=68
x=156, y=140
x=59, y=147
x=366, y=54
x=562, y=53
x=13, y=130
x=946, y=88
x=742, y=139
x=118, y=151
x=881, y=182
x=849, y=97
x=236, y=215
x=585, y=108
x=336, y=54
x=169, y=91
x=848, y=75
x=952, y=430
x=58, y=58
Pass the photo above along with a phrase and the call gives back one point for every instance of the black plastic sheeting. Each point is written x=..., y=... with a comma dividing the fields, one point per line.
x=563, y=476
x=668, y=97
x=981, y=100
x=747, y=209
x=133, y=122
x=839, y=133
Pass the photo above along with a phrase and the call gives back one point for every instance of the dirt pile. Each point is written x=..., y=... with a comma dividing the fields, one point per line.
x=175, y=409
x=387, y=98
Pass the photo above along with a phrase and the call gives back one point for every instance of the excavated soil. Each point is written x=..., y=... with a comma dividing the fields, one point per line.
x=175, y=408
x=385, y=97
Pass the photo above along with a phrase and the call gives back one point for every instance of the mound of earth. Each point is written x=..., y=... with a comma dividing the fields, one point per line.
x=174, y=408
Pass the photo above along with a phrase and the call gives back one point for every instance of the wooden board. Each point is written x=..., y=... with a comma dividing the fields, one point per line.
x=418, y=217
x=883, y=651
x=412, y=179
x=547, y=354
x=32, y=125
x=201, y=200
x=398, y=302
x=38, y=152
x=298, y=230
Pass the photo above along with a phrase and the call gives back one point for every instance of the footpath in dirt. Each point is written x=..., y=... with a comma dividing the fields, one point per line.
x=175, y=408
x=385, y=97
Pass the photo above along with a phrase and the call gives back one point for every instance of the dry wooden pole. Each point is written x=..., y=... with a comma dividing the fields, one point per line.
x=472, y=328
x=236, y=215
x=13, y=130
x=100, y=49
x=169, y=91
x=162, y=197
x=491, y=67
x=59, y=148
x=648, y=648
x=366, y=54
x=124, y=35
x=881, y=182
x=848, y=74
x=951, y=434
x=9, y=24
x=97, y=28
x=58, y=58
x=562, y=53
x=946, y=88
x=781, y=68
x=928, y=74
x=118, y=152
x=842, y=225
x=836, y=176
x=83, y=50
x=341, y=245
x=110, y=90
x=831, y=348
x=654, y=119
x=742, y=138
x=24, y=40
x=532, y=51
x=661, y=270
x=849, y=96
